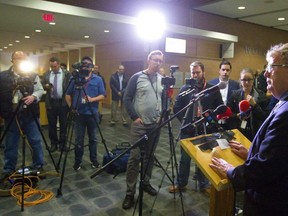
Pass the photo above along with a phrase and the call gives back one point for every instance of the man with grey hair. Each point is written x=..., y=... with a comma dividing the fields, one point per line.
x=118, y=83
x=264, y=175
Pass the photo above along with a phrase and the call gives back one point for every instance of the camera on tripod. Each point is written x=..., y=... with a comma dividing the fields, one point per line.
x=24, y=83
x=81, y=69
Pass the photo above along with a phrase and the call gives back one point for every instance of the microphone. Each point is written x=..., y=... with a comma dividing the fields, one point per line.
x=245, y=109
x=189, y=91
x=208, y=116
x=208, y=91
x=225, y=115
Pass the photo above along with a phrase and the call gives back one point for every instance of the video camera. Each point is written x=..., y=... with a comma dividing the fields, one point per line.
x=190, y=82
x=170, y=81
x=24, y=83
x=81, y=69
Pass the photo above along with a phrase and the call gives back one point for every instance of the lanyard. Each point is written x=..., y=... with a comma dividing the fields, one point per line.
x=155, y=90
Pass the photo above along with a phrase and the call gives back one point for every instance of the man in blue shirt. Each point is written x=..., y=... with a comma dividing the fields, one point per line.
x=83, y=96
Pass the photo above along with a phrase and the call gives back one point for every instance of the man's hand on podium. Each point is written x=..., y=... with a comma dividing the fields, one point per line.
x=220, y=166
x=239, y=149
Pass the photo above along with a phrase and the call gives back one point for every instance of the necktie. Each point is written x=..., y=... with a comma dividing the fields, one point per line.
x=55, y=86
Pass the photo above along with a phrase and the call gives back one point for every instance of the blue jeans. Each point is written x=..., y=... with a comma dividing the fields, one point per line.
x=30, y=129
x=81, y=123
x=184, y=172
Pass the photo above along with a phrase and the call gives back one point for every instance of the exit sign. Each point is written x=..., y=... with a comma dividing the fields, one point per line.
x=48, y=17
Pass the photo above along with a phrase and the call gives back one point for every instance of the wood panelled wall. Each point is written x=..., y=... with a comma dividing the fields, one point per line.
x=250, y=50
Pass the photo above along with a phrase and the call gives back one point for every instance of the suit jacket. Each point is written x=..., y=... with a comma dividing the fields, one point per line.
x=264, y=175
x=65, y=83
x=115, y=86
x=232, y=85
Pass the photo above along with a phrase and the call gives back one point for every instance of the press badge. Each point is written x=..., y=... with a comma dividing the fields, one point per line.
x=83, y=101
x=243, y=124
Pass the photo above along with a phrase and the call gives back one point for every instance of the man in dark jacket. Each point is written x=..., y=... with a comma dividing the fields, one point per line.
x=55, y=82
x=118, y=83
x=21, y=91
x=212, y=101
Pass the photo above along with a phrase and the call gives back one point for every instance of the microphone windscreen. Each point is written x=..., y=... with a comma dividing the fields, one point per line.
x=220, y=109
x=222, y=85
x=226, y=114
x=244, y=106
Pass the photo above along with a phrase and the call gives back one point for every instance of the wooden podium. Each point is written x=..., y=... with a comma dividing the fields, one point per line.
x=222, y=193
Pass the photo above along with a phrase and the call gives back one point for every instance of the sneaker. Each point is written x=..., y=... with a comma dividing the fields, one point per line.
x=238, y=211
x=112, y=123
x=95, y=164
x=76, y=166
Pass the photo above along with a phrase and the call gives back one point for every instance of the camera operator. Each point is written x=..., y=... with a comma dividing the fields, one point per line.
x=29, y=90
x=83, y=96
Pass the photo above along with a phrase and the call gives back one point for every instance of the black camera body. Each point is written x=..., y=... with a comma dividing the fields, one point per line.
x=81, y=69
x=25, y=84
x=190, y=82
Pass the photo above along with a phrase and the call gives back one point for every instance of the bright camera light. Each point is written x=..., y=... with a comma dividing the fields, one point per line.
x=26, y=66
x=150, y=25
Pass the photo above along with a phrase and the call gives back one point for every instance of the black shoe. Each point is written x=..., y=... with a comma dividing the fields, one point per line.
x=77, y=166
x=53, y=148
x=95, y=164
x=128, y=202
x=150, y=190
x=4, y=176
x=41, y=173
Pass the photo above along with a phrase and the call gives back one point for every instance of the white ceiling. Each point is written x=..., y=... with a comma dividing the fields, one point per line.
x=22, y=17
x=261, y=12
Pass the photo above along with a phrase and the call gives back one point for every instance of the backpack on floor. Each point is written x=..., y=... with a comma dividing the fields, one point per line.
x=120, y=164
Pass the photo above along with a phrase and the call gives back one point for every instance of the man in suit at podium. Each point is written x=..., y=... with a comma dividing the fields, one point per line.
x=264, y=175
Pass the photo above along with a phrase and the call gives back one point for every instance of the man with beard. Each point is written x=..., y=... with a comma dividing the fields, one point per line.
x=211, y=101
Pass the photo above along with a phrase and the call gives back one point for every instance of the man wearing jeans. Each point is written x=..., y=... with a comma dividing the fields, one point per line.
x=83, y=96
x=25, y=96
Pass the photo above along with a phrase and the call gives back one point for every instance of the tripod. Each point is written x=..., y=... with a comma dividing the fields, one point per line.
x=172, y=158
x=20, y=121
x=72, y=115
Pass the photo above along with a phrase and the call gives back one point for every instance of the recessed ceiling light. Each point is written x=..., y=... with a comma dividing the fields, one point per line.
x=86, y=36
x=27, y=36
x=281, y=18
x=10, y=44
x=241, y=8
x=5, y=47
x=17, y=41
x=106, y=31
x=38, y=30
x=1, y=50
x=52, y=23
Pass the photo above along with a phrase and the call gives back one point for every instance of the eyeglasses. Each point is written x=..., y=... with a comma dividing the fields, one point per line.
x=269, y=67
x=157, y=61
x=246, y=80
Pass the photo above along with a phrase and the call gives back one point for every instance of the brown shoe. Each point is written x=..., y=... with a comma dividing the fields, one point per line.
x=206, y=191
x=176, y=188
